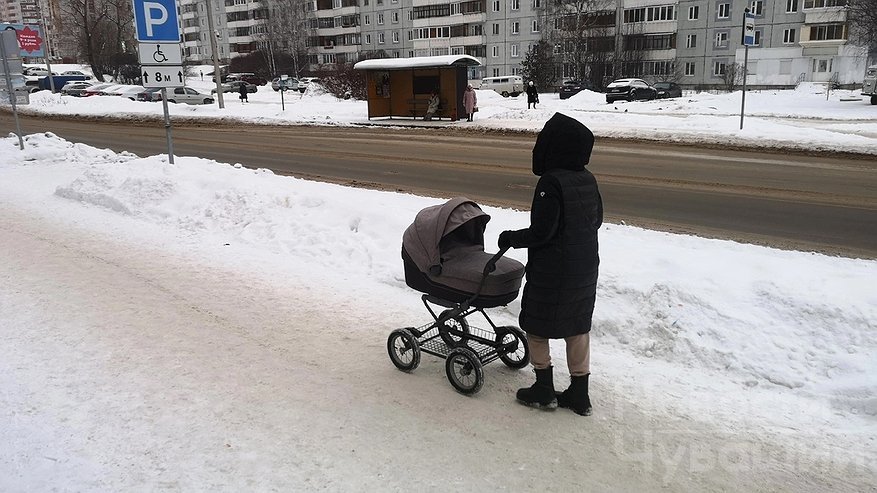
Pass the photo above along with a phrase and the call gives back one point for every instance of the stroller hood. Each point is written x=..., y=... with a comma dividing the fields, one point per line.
x=422, y=238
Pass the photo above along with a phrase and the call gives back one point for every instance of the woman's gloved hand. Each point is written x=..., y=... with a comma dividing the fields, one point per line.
x=505, y=240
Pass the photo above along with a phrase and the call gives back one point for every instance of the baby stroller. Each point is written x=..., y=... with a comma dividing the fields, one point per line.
x=444, y=258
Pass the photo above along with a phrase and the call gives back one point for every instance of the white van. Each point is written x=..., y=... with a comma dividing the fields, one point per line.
x=507, y=85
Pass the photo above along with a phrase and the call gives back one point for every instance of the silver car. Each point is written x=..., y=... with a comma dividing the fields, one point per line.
x=187, y=95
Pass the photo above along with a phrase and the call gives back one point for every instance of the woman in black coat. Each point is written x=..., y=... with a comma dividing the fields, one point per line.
x=532, y=95
x=563, y=260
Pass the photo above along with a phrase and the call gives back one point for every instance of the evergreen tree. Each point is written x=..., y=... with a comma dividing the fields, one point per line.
x=538, y=65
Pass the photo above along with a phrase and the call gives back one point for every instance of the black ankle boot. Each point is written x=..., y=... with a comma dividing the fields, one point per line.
x=575, y=398
x=541, y=394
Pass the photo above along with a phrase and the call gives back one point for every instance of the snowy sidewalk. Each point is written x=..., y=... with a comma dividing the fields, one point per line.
x=131, y=368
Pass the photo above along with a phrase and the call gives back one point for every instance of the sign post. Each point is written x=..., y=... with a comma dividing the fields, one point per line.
x=748, y=40
x=9, y=37
x=161, y=56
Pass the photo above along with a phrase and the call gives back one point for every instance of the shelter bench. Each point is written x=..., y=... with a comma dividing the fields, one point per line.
x=417, y=108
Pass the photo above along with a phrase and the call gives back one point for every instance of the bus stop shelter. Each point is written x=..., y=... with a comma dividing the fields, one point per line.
x=401, y=87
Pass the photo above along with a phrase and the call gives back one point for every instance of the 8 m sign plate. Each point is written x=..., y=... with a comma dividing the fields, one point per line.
x=172, y=76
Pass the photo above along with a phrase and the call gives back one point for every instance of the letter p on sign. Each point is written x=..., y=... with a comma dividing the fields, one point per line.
x=156, y=20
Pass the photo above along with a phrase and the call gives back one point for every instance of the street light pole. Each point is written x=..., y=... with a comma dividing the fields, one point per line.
x=47, y=48
x=216, y=75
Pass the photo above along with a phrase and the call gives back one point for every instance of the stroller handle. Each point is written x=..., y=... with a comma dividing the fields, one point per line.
x=491, y=264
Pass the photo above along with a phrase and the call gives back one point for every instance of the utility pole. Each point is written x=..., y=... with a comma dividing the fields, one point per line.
x=216, y=75
x=48, y=48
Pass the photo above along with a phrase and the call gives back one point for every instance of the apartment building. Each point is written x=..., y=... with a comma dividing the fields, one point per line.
x=795, y=40
x=692, y=41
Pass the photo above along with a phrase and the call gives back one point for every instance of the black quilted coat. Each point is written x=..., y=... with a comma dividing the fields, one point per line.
x=567, y=211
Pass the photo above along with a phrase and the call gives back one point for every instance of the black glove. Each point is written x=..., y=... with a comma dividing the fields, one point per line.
x=505, y=240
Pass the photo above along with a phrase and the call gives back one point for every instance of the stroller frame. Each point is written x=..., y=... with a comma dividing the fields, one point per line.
x=466, y=349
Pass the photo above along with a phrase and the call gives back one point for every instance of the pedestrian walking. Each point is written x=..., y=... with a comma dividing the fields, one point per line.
x=243, y=89
x=562, y=262
x=470, y=102
x=532, y=95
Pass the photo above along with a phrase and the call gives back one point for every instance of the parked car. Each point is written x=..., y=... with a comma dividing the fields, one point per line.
x=304, y=82
x=572, y=87
x=37, y=71
x=668, y=90
x=630, y=90
x=149, y=94
x=247, y=77
x=76, y=88
x=77, y=72
x=290, y=84
x=235, y=86
x=96, y=89
x=187, y=95
x=129, y=92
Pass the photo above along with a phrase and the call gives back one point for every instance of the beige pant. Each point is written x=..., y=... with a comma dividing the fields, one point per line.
x=578, y=353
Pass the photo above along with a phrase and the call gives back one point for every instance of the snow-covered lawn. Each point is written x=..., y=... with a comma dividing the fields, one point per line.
x=805, y=118
x=203, y=326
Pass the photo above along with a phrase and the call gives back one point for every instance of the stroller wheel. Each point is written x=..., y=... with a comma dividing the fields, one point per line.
x=512, y=346
x=457, y=325
x=404, y=349
x=464, y=370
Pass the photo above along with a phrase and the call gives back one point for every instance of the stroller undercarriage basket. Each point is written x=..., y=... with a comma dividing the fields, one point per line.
x=443, y=256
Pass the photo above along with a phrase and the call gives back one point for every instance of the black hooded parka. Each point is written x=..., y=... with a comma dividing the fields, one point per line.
x=567, y=211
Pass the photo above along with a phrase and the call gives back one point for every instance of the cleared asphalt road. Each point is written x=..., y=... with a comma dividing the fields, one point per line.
x=821, y=203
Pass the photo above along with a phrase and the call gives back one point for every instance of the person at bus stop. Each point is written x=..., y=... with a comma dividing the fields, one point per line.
x=470, y=102
x=532, y=95
x=433, y=106
x=562, y=264
x=243, y=89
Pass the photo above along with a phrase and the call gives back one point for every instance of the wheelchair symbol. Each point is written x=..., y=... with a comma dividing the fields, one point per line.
x=158, y=56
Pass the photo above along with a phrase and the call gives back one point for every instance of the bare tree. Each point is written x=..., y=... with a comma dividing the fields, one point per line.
x=862, y=15
x=732, y=77
x=284, y=40
x=103, y=30
x=578, y=33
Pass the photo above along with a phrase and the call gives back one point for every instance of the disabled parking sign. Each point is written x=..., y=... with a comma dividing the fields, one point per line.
x=156, y=20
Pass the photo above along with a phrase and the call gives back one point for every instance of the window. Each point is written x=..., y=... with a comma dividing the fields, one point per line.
x=818, y=4
x=718, y=69
x=368, y=39
x=395, y=17
x=496, y=72
x=788, y=36
x=689, y=69
x=516, y=4
x=757, y=37
x=432, y=32
x=535, y=27
x=381, y=38
x=650, y=14
x=826, y=32
x=693, y=12
x=537, y=4
x=822, y=65
x=496, y=5
x=791, y=5
x=380, y=19
x=724, y=11
x=691, y=41
x=367, y=20
x=516, y=27
x=495, y=52
x=722, y=39
x=514, y=49
x=756, y=7
x=495, y=29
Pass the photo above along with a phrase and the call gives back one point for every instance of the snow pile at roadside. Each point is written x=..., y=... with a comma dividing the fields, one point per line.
x=769, y=328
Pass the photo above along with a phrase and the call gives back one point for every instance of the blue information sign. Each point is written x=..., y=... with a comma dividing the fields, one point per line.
x=748, y=29
x=156, y=20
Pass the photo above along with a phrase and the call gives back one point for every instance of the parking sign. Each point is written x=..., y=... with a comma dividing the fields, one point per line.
x=156, y=20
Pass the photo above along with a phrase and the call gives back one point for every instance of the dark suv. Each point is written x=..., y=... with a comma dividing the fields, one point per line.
x=668, y=90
